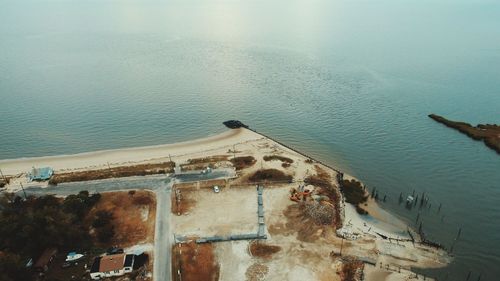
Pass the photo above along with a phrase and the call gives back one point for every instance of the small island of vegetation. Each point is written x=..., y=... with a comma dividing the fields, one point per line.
x=488, y=133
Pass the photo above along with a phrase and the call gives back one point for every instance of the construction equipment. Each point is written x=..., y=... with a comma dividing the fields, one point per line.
x=298, y=196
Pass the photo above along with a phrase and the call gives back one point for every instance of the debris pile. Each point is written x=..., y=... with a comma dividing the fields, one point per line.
x=321, y=212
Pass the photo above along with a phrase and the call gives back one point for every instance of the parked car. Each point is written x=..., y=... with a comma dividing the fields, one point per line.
x=73, y=256
x=216, y=189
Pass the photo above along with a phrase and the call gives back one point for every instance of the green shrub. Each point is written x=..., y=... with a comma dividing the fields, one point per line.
x=353, y=191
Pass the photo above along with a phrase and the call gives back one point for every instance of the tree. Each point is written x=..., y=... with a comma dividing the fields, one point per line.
x=12, y=268
x=105, y=233
x=103, y=218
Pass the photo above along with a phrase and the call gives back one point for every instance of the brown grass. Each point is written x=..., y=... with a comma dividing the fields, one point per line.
x=270, y=175
x=297, y=222
x=182, y=202
x=262, y=250
x=200, y=184
x=318, y=181
x=116, y=172
x=351, y=270
x=127, y=209
x=202, y=163
x=323, y=181
x=210, y=159
x=195, y=262
x=243, y=162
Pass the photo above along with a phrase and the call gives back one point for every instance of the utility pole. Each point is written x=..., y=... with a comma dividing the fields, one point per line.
x=22, y=187
x=4, y=178
x=341, y=245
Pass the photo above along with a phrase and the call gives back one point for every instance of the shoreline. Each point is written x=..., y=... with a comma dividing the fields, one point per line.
x=125, y=156
x=387, y=222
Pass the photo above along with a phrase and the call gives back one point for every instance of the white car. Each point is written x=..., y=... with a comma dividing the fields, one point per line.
x=73, y=256
x=216, y=189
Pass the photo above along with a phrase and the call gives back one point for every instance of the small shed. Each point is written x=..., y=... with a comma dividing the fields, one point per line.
x=43, y=262
x=40, y=174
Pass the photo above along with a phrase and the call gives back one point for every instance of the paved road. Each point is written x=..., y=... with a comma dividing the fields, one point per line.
x=162, y=266
x=161, y=185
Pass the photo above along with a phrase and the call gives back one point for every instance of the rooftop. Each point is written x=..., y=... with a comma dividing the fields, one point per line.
x=112, y=262
x=41, y=173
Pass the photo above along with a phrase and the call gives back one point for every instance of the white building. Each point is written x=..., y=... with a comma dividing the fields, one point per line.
x=111, y=265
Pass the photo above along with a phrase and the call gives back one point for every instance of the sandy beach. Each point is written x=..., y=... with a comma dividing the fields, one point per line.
x=127, y=156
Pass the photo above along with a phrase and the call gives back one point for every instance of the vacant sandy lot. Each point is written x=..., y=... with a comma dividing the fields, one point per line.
x=231, y=211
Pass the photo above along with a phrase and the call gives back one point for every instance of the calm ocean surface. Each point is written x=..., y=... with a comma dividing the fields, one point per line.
x=350, y=82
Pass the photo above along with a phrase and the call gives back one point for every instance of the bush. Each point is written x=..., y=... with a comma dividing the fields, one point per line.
x=270, y=175
x=277, y=157
x=103, y=218
x=243, y=162
x=318, y=181
x=104, y=234
x=355, y=194
x=53, y=181
x=353, y=191
x=285, y=165
x=361, y=211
